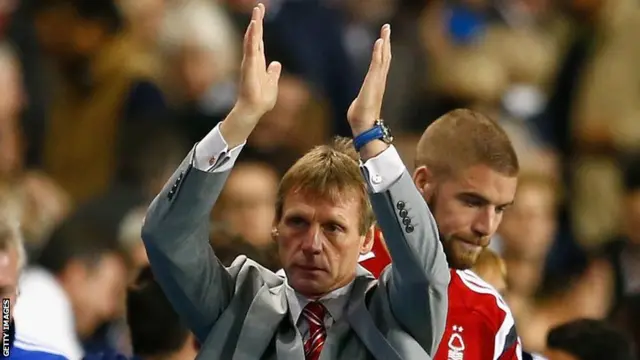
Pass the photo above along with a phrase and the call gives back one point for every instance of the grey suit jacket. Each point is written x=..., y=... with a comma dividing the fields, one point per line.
x=241, y=312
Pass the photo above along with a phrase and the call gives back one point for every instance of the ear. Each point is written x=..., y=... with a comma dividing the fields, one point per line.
x=369, y=238
x=425, y=181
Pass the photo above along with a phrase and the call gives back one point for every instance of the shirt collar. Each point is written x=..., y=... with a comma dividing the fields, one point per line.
x=335, y=301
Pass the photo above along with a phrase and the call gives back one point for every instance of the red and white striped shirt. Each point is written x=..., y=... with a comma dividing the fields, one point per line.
x=480, y=325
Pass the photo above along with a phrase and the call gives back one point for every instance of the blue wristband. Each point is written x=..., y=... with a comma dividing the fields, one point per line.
x=368, y=136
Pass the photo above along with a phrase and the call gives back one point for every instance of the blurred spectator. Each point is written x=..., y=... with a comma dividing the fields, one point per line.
x=13, y=259
x=605, y=286
x=157, y=332
x=588, y=340
x=623, y=252
x=228, y=246
x=307, y=37
x=11, y=106
x=591, y=118
x=296, y=123
x=149, y=151
x=202, y=50
x=491, y=268
x=472, y=59
x=104, y=82
x=144, y=20
x=247, y=203
x=527, y=232
x=131, y=240
x=81, y=274
x=42, y=203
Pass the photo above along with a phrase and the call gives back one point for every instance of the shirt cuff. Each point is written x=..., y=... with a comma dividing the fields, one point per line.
x=383, y=170
x=212, y=154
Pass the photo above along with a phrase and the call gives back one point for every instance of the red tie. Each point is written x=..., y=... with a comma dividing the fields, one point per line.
x=314, y=313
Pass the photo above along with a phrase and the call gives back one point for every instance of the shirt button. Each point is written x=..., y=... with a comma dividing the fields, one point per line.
x=376, y=179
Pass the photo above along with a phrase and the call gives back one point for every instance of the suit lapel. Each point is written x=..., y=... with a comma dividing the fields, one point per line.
x=263, y=318
x=362, y=323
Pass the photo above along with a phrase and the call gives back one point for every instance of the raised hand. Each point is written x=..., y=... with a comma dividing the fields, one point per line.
x=258, y=87
x=365, y=109
x=258, y=83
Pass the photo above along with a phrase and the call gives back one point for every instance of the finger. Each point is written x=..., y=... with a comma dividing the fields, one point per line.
x=375, y=67
x=386, y=58
x=256, y=13
x=262, y=11
x=258, y=16
x=386, y=51
x=247, y=39
x=273, y=71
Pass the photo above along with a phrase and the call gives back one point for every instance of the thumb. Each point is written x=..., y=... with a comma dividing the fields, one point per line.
x=273, y=72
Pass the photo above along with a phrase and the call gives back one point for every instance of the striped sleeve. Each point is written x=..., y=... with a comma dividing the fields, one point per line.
x=506, y=343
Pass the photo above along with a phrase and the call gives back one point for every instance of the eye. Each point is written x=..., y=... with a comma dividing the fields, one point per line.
x=334, y=228
x=296, y=222
x=473, y=203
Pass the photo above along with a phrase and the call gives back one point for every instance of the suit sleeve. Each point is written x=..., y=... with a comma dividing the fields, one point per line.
x=419, y=275
x=176, y=237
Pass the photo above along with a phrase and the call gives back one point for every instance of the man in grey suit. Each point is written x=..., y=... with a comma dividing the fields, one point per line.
x=327, y=307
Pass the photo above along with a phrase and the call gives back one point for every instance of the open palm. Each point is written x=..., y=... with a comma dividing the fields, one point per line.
x=365, y=109
x=258, y=90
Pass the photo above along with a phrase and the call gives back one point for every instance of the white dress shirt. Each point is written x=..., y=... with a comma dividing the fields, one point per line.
x=213, y=154
x=44, y=316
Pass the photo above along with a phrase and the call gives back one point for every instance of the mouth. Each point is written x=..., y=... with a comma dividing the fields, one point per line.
x=310, y=268
x=469, y=245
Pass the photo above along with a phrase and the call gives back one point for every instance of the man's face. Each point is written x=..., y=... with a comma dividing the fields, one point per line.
x=99, y=293
x=9, y=275
x=320, y=242
x=528, y=228
x=249, y=199
x=468, y=208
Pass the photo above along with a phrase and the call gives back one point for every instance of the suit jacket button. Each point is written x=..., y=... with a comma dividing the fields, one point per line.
x=406, y=221
x=170, y=195
x=400, y=205
x=409, y=229
x=404, y=213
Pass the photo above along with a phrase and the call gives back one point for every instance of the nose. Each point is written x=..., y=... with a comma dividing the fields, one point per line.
x=312, y=242
x=485, y=223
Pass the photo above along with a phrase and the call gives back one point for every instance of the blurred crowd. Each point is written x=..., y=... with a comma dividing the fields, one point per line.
x=101, y=99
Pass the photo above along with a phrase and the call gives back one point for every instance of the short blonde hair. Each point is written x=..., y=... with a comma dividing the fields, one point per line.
x=330, y=172
x=462, y=138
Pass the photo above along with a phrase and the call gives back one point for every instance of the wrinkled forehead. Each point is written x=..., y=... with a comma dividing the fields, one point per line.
x=344, y=203
x=491, y=185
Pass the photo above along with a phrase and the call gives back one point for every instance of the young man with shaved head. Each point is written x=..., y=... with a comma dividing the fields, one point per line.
x=466, y=170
